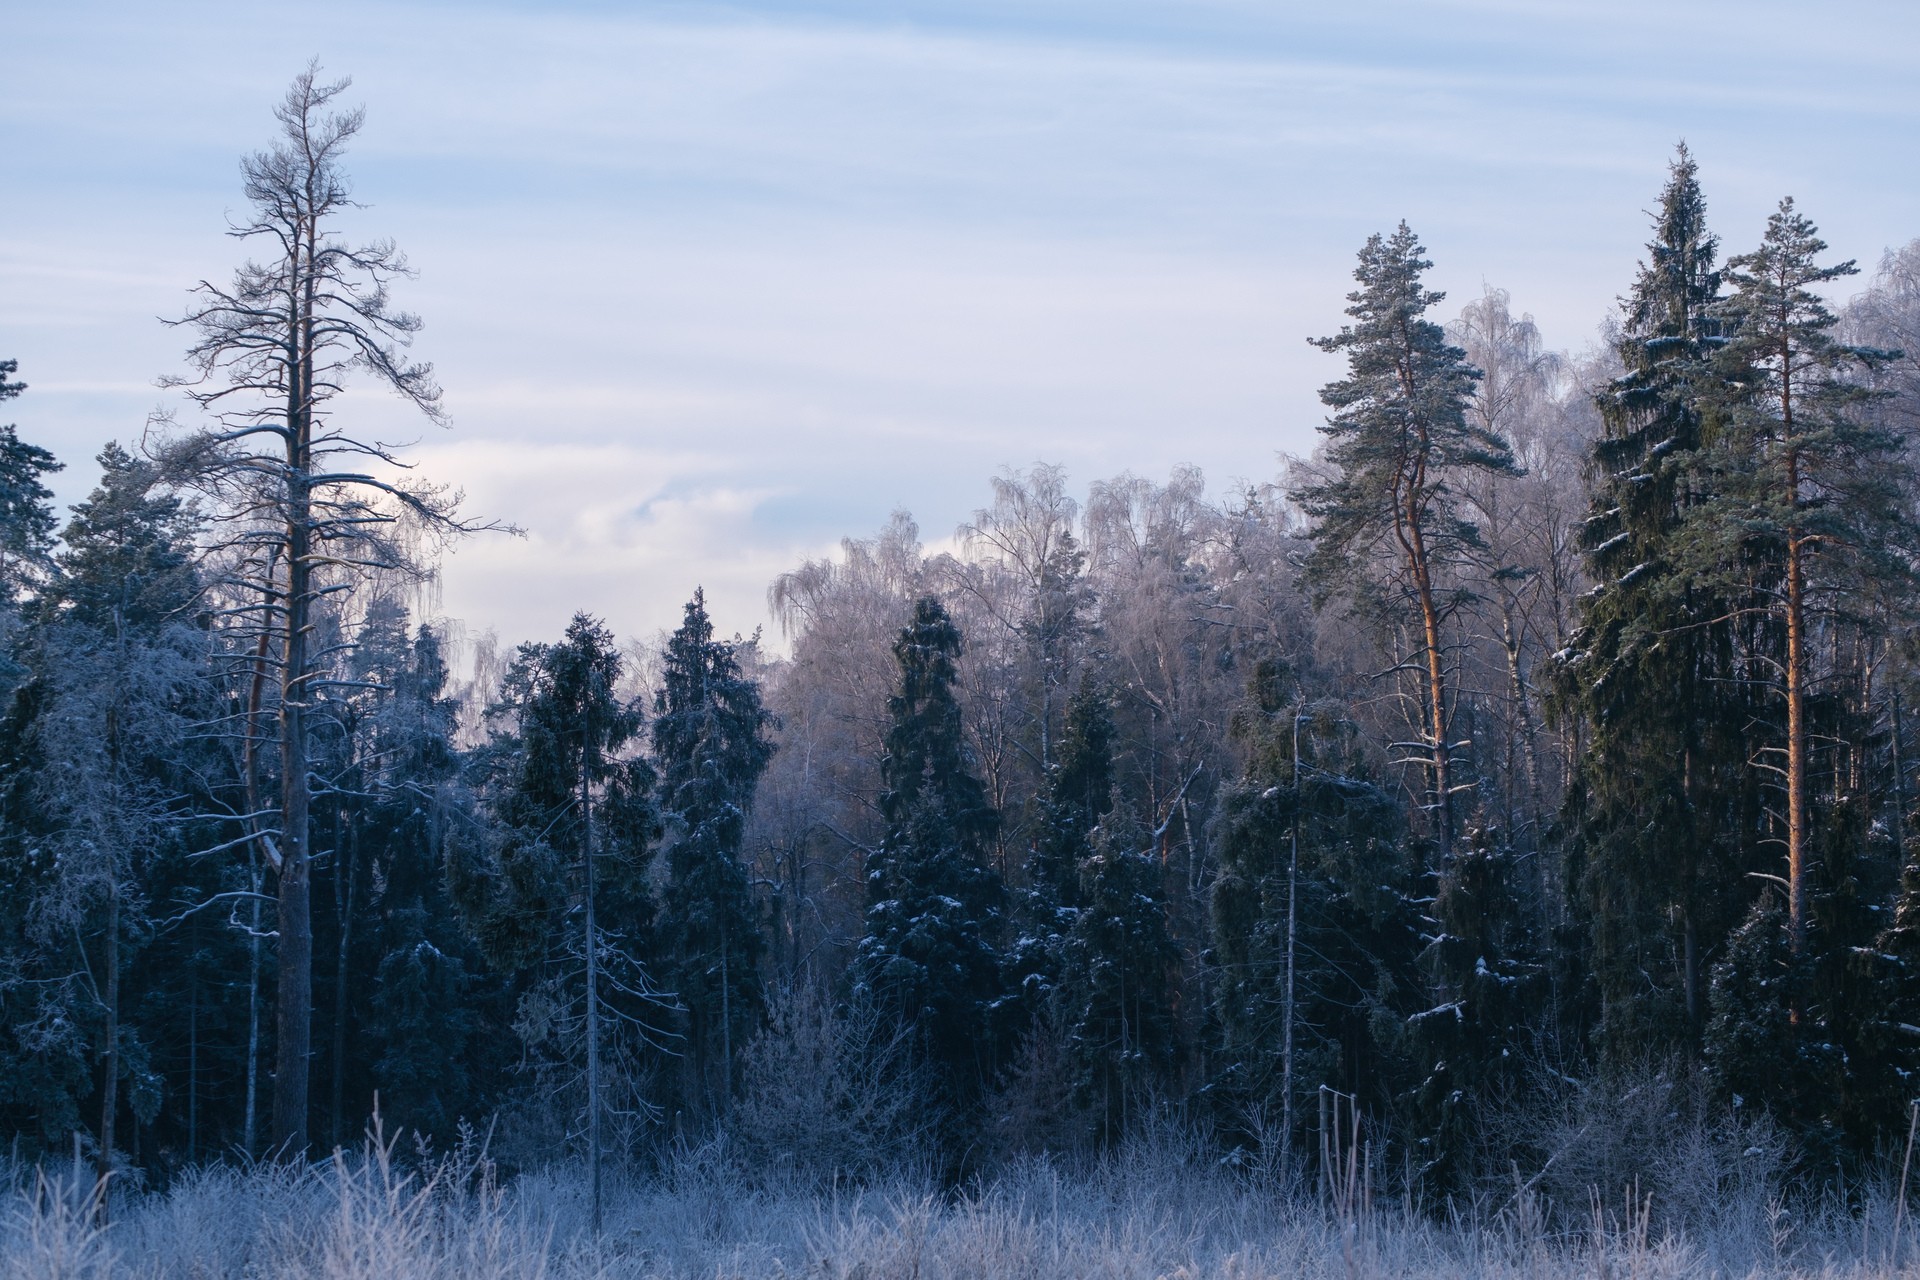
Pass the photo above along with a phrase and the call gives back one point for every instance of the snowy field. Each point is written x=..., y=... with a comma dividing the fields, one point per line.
x=1153, y=1212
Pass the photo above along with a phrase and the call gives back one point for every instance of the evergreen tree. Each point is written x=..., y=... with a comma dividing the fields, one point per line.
x=409, y=1005
x=1797, y=471
x=1389, y=516
x=116, y=661
x=1079, y=792
x=1663, y=802
x=1803, y=480
x=1751, y=1043
x=1079, y=785
x=1488, y=982
x=310, y=508
x=710, y=748
x=26, y=523
x=1313, y=864
x=1119, y=962
x=559, y=893
x=928, y=958
x=26, y=520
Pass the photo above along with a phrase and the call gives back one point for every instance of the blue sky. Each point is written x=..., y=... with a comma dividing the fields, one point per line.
x=711, y=286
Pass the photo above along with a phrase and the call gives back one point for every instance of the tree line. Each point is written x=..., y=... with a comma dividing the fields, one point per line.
x=1543, y=729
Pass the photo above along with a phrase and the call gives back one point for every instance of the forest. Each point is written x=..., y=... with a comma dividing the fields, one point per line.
x=1502, y=811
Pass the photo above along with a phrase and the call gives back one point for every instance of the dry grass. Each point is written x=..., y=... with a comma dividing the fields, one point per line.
x=1157, y=1210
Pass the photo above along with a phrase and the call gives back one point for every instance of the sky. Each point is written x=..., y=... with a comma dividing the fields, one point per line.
x=710, y=287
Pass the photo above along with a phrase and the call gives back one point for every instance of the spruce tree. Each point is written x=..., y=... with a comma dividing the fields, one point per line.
x=1488, y=983
x=26, y=523
x=116, y=662
x=559, y=892
x=1079, y=784
x=710, y=748
x=410, y=1006
x=1119, y=960
x=928, y=959
x=1662, y=799
x=1388, y=516
x=1313, y=860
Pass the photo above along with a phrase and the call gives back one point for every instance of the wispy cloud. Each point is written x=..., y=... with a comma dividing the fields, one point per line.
x=709, y=287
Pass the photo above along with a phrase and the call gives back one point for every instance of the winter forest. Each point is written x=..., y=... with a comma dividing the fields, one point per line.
x=1483, y=849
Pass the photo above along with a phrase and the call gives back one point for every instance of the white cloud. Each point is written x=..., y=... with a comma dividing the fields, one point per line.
x=710, y=287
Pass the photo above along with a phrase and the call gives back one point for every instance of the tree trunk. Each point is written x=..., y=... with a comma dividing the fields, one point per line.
x=110, y=1059
x=193, y=1068
x=294, y=1024
x=344, y=906
x=250, y=781
x=593, y=990
x=1796, y=674
x=1288, y=1001
x=250, y=1131
x=1796, y=745
x=1436, y=700
x=726, y=1022
x=293, y=1027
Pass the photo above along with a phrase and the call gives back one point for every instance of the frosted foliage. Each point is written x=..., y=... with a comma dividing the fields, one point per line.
x=1154, y=1209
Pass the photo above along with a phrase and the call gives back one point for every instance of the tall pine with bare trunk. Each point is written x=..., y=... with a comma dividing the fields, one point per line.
x=1390, y=527
x=306, y=506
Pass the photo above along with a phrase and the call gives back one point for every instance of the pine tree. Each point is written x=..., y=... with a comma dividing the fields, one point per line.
x=309, y=508
x=928, y=959
x=710, y=748
x=1389, y=515
x=1804, y=482
x=1798, y=472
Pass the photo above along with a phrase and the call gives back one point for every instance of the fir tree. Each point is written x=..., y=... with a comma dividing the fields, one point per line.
x=1752, y=1045
x=411, y=1005
x=1078, y=793
x=710, y=748
x=1079, y=784
x=1489, y=985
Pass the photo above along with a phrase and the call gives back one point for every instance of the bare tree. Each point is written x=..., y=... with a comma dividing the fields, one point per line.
x=306, y=507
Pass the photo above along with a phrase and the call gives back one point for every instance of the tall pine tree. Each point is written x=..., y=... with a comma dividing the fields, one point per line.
x=1389, y=516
